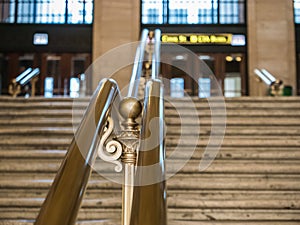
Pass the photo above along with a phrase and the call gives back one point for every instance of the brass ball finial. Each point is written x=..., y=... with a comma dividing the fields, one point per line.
x=130, y=108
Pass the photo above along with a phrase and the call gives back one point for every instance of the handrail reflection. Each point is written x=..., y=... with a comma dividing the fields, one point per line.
x=64, y=198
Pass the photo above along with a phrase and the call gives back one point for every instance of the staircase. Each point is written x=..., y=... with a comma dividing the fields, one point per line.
x=254, y=180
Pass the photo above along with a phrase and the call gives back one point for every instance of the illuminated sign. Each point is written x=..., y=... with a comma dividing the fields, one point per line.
x=209, y=39
x=238, y=40
x=40, y=39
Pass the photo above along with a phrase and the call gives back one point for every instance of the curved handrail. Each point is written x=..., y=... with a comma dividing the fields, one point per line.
x=29, y=76
x=64, y=198
x=143, y=202
x=23, y=74
x=137, y=66
x=149, y=194
x=156, y=55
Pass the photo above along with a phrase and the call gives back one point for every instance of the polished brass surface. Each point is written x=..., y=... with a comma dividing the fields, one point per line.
x=64, y=198
x=130, y=109
x=138, y=65
x=144, y=190
x=33, y=86
x=276, y=88
x=14, y=88
x=149, y=201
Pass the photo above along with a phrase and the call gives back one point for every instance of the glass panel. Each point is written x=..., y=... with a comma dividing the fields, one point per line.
x=48, y=87
x=88, y=8
x=47, y=11
x=80, y=11
x=25, y=12
x=74, y=87
x=41, y=11
x=177, y=87
x=232, y=85
x=193, y=11
x=7, y=11
x=204, y=87
x=232, y=11
x=297, y=10
x=152, y=11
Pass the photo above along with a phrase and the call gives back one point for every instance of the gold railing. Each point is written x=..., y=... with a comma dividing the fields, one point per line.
x=139, y=148
x=29, y=75
x=64, y=198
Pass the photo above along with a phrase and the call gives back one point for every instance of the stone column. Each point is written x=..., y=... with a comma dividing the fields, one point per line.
x=115, y=23
x=271, y=42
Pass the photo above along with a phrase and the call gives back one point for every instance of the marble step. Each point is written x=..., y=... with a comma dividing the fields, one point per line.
x=218, y=166
x=37, y=131
x=170, y=112
x=171, y=222
x=204, y=215
x=238, y=130
x=171, y=141
x=242, y=103
x=170, y=129
x=25, y=113
x=13, y=135
x=246, y=153
x=203, y=199
x=247, y=121
x=186, y=112
x=195, y=122
x=196, y=181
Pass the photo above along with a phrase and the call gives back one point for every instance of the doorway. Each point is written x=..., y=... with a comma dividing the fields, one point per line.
x=229, y=69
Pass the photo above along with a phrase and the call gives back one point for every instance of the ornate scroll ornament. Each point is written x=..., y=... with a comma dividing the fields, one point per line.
x=121, y=148
x=110, y=151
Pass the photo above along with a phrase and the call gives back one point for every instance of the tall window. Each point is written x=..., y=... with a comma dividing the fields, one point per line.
x=46, y=11
x=193, y=11
x=297, y=11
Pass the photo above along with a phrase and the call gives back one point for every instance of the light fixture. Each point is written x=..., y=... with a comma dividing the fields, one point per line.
x=238, y=58
x=229, y=58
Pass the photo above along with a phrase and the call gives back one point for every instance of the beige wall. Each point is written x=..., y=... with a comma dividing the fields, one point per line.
x=271, y=42
x=115, y=23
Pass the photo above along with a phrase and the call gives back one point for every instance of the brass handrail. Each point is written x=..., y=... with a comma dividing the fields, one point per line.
x=29, y=75
x=142, y=152
x=149, y=194
x=64, y=198
x=156, y=55
x=137, y=66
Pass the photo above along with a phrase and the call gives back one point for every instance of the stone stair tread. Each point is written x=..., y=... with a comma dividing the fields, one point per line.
x=241, y=112
x=242, y=153
x=176, y=199
x=40, y=120
x=36, y=131
x=172, y=132
x=37, y=141
x=218, y=166
x=42, y=112
x=287, y=141
x=233, y=142
x=251, y=121
x=171, y=222
x=186, y=214
x=199, y=181
x=32, y=154
x=245, y=153
x=254, y=179
x=258, y=130
x=173, y=193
